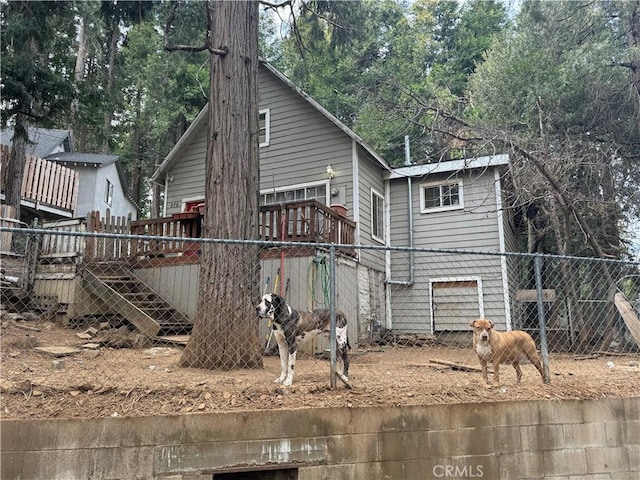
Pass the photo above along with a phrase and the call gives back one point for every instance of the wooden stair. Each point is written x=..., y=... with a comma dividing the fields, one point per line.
x=128, y=296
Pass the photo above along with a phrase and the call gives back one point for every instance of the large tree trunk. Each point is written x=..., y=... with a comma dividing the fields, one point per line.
x=81, y=58
x=137, y=154
x=112, y=45
x=15, y=167
x=225, y=333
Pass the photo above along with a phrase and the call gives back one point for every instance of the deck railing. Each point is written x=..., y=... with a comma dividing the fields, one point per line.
x=179, y=225
x=307, y=221
x=105, y=249
x=45, y=183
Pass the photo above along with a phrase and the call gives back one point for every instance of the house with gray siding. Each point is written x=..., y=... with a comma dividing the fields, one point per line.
x=306, y=153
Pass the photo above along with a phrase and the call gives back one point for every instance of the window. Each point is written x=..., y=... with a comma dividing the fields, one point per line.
x=436, y=197
x=377, y=216
x=297, y=193
x=108, y=193
x=265, y=127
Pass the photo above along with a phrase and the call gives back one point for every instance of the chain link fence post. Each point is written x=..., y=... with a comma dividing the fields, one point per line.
x=544, y=349
x=332, y=308
x=32, y=254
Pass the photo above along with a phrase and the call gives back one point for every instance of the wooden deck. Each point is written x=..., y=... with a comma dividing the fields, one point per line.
x=308, y=221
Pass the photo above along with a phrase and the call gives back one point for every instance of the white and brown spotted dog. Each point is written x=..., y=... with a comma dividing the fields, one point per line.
x=503, y=347
x=291, y=326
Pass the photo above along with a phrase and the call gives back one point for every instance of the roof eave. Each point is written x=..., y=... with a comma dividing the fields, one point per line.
x=448, y=166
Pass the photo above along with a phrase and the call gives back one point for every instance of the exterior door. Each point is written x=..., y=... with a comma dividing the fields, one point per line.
x=454, y=303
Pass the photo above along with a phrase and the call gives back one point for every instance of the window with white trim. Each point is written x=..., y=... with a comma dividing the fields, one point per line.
x=437, y=197
x=265, y=127
x=108, y=193
x=295, y=193
x=377, y=216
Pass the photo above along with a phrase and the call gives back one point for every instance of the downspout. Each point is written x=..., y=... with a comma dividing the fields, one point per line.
x=410, y=281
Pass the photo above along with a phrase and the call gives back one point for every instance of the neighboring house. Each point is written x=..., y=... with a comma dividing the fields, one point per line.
x=307, y=153
x=42, y=141
x=102, y=181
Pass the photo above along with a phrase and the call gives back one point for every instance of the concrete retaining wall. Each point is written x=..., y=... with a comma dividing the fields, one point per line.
x=595, y=439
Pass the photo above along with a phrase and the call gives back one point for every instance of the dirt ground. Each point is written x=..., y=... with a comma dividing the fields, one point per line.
x=100, y=379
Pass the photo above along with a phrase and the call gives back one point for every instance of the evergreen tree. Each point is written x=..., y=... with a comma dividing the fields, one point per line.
x=37, y=86
x=376, y=64
x=550, y=88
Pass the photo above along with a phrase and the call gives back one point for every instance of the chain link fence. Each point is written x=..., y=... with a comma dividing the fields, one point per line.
x=115, y=311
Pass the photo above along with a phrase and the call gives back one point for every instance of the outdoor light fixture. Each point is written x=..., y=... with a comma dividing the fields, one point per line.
x=330, y=172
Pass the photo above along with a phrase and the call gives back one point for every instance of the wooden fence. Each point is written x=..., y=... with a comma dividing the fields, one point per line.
x=44, y=182
x=64, y=244
x=93, y=249
x=7, y=219
x=103, y=249
x=89, y=248
x=178, y=225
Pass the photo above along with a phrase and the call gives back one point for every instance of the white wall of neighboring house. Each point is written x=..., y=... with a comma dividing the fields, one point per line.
x=92, y=192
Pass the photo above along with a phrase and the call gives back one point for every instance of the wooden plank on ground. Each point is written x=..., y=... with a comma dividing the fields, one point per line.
x=174, y=339
x=629, y=316
x=456, y=366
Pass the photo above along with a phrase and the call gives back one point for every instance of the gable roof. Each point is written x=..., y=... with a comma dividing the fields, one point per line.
x=42, y=141
x=82, y=159
x=329, y=115
x=202, y=116
x=94, y=160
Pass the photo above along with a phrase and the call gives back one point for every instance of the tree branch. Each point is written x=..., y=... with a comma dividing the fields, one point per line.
x=185, y=48
x=275, y=5
x=325, y=18
x=191, y=48
x=561, y=194
x=564, y=201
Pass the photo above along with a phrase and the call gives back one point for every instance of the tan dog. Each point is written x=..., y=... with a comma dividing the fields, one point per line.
x=503, y=347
